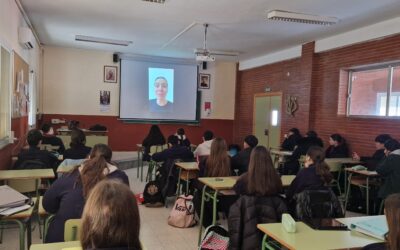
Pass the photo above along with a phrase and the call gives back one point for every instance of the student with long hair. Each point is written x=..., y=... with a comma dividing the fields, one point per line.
x=110, y=219
x=392, y=212
x=155, y=137
x=259, y=201
x=66, y=196
x=315, y=173
x=337, y=147
x=77, y=149
x=217, y=164
x=372, y=162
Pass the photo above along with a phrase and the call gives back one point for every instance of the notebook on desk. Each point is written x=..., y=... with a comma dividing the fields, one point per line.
x=11, y=198
x=375, y=226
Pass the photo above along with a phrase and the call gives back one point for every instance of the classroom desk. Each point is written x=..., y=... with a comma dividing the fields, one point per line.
x=187, y=171
x=364, y=173
x=279, y=154
x=287, y=180
x=64, y=169
x=57, y=245
x=307, y=238
x=336, y=165
x=23, y=219
x=27, y=174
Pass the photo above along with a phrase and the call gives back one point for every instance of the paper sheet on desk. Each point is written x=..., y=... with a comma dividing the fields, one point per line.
x=13, y=210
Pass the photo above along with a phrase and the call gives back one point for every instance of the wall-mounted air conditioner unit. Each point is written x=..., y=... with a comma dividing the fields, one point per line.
x=26, y=38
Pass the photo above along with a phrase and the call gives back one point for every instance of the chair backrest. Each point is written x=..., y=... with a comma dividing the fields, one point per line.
x=302, y=160
x=158, y=148
x=25, y=185
x=72, y=229
x=31, y=164
x=334, y=166
x=317, y=203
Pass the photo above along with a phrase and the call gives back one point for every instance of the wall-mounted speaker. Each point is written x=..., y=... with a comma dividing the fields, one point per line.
x=115, y=57
x=204, y=65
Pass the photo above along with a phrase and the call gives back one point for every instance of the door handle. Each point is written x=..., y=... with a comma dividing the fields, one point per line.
x=266, y=132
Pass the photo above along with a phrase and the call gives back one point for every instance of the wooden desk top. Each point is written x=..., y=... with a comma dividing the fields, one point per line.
x=56, y=246
x=343, y=160
x=362, y=172
x=219, y=183
x=307, y=238
x=281, y=152
x=27, y=174
x=287, y=180
x=189, y=166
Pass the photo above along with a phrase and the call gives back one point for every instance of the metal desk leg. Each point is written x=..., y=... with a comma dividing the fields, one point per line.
x=347, y=193
x=187, y=182
x=178, y=189
x=264, y=242
x=214, y=198
x=29, y=232
x=201, y=214
x=367, y=197
x=138, y=163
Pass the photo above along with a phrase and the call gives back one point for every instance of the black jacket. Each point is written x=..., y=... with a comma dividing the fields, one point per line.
x=34, y=153
x=290, y=142
x=372, y=162
x=389, y=169
x=54, y=141
x=77, y=152
x=340, y=151
x=174, y=152
x=246, y=213
x=241, y=160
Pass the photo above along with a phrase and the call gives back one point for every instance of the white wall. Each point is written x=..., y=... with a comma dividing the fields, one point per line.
x=10, y=20
x=76, y=75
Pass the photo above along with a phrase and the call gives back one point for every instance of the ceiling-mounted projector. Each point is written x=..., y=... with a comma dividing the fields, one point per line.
x=205, y=58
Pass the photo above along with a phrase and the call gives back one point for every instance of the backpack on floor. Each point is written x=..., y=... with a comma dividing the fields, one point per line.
x=215, y=238
x=152, y=196
x=182, y=214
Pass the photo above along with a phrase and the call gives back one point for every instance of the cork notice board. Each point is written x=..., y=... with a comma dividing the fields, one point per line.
x=20, y=100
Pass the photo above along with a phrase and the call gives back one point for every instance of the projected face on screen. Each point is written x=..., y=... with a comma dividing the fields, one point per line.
x=161, y=89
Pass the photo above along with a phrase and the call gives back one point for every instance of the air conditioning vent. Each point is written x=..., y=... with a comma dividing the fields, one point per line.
x=26, y=38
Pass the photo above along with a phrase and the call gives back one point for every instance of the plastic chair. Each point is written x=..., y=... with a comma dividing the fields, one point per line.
x=72, y=229
x=335, y=167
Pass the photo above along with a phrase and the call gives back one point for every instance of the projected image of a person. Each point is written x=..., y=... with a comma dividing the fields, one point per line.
x=161, y=104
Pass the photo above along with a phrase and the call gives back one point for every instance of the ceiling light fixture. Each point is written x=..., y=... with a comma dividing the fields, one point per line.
x=154, y=1
x=280, y=15
x=101, y=40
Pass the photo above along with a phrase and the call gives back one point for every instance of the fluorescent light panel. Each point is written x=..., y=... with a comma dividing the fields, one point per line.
x=101, y=40
x=154, y=1
x=287, y=16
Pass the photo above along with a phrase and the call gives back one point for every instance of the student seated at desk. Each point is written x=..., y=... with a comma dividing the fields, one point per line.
x=174, y=151
x=292, y=165
x=373, y=161
x=337, y=147
x=204, y=147
x=110, y=219
x=291, y=139
x=259, y=201
x=77, y=149
x=182, y=138
x=33, y=157
x=389, y=169
x=314, y=175
x=240, y=161
x=155, y=137
x=66, y=196
x=50, y=138
x=217, y=164
x=392, y=212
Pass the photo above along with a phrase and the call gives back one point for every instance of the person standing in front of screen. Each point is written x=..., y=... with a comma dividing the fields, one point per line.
x=161, y=104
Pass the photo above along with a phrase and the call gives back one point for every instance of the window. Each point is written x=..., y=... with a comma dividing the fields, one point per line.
x=374, y=92
x=5, y=94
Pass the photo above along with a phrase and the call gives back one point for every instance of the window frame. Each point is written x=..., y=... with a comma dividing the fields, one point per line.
x=5, y=141
x=390, y=68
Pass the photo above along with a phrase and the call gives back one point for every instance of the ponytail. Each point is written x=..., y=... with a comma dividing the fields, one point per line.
x=317, y=155
x=93, y=171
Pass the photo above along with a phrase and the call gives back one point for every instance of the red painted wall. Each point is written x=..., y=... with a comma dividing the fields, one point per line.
x=124, y=136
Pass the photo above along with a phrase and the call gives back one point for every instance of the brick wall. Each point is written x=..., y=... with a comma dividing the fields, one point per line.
x=318, y=92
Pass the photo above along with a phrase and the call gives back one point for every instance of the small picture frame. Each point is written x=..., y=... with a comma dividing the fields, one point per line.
x=110, y=74
x=204, y=81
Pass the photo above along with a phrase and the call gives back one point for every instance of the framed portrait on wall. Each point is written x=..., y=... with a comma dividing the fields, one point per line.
x=110, y=74
x=204, y=81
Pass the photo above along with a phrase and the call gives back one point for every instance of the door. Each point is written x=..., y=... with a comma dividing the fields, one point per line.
x=267, y=119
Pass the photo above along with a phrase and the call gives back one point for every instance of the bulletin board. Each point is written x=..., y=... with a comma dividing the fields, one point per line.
x=20, y=100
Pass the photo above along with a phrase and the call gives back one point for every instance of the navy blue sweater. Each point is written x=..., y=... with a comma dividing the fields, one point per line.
x=306, y=178
x=65, y=199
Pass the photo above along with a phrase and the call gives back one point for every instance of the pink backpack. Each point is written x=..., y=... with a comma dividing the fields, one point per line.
x=182, y=214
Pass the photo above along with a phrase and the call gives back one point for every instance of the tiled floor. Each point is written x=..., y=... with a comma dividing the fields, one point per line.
x=155, y=232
